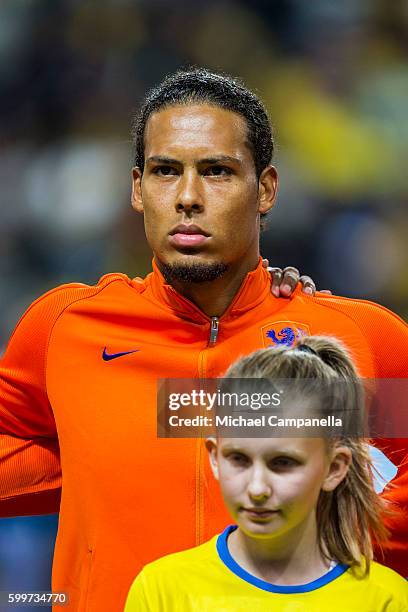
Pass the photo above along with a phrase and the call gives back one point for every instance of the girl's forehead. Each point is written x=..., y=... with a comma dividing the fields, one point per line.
x=272, y=446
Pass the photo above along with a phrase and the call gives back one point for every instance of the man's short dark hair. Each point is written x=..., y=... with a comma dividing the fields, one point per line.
x=198, y=85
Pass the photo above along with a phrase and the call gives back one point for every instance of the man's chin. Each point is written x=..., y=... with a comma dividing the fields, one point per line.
x=194, y=272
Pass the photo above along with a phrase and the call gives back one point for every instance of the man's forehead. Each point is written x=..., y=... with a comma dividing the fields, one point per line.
x=204, y=129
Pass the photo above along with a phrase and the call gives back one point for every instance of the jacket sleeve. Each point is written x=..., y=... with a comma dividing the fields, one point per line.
x=30, y=471
x=388, y=336
x=30, y=474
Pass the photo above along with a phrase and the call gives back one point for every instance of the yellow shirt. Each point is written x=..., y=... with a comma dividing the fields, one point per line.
x=207, y=579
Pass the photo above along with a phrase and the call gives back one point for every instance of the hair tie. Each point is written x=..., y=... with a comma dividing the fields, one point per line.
x=306, y=349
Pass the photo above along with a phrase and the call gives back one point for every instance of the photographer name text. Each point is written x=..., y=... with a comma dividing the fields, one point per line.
x=261, y=421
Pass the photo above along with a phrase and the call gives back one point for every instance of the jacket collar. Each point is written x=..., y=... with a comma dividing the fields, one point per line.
x=254, y=289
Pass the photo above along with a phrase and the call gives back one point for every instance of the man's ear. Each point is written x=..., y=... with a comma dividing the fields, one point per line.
x=137, y=189
x=339, y=466
x=211, y=446
x=268, y=189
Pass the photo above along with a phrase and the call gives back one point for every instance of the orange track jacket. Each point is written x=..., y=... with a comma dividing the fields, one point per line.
x=67, y=415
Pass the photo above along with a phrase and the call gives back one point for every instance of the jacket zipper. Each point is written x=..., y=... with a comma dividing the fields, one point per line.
x=213, y=337
x=214, y=321
x=214, y=325
x=213, y=331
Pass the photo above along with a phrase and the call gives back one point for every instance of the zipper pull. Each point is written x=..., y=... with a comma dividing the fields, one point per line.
x=213, y=331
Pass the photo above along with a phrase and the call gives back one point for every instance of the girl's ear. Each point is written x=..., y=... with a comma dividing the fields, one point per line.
x=339, y=466
x=211, y=446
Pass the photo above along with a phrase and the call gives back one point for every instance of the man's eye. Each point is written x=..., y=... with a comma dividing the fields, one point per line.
x=218, y=171
x=164, y=171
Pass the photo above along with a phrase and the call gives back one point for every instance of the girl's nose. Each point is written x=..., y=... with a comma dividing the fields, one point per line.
x=259, y=487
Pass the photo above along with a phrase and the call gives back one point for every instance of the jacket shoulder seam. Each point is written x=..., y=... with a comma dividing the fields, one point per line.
x=98, y=289
x=322, y=299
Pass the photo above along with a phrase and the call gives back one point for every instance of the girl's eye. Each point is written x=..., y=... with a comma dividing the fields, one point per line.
x=237, y=459
x=164, y=171
x=283, y=463
x=218, y=171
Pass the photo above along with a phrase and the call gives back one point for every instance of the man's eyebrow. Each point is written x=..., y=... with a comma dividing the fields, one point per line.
x=162, y=160
x=219, y=158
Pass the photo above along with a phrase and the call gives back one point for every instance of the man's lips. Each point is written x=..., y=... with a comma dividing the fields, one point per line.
x=184, y=235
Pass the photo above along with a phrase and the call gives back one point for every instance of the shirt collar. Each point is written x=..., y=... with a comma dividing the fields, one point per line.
x=226, y=557
x=253, y=290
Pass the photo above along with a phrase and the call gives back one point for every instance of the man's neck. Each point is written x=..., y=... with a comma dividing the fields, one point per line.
x=214, y=297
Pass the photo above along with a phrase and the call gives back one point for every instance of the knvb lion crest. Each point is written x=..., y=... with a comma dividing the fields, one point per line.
x=283, y=333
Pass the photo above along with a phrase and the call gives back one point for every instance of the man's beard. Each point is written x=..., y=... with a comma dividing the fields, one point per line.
x=193, y=273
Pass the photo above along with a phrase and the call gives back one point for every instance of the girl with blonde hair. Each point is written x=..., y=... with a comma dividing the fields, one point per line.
x=305, y=509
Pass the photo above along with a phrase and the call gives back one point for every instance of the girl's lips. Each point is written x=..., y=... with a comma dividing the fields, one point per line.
x=186, y=240
x=255, y=513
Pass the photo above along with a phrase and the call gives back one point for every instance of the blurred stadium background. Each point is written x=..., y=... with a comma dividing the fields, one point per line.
x=334, y=76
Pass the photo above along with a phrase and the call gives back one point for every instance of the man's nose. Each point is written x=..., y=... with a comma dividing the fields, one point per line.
x=259, y=486
x=190, y=197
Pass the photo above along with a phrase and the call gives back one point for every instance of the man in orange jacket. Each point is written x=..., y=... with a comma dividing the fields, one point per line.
x=78, y=379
